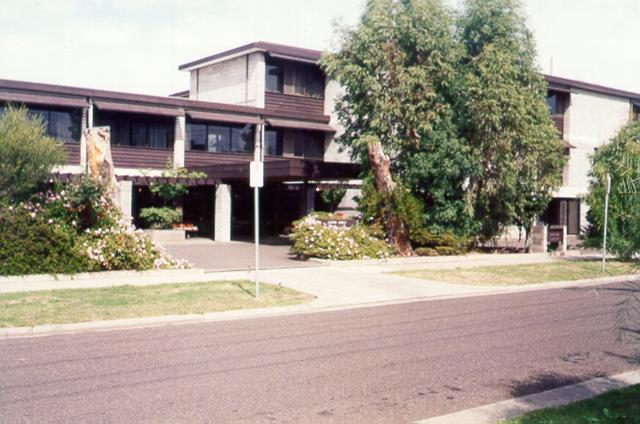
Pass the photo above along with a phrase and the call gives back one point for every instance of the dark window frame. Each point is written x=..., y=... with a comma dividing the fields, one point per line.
x=278, y=148
x=303, y=142
x=234, y=136
x=296, y=79
x=74, y=128
x=553, y=214
x=125, y=125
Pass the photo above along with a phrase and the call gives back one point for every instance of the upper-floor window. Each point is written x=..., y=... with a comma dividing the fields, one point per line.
x=275, y=78
x=220, y=138
x=636, y=112
x=294, y=78
x=138, y=130
x=61, y=123
x=308, y=144
x=556, y=103
x=273, y=142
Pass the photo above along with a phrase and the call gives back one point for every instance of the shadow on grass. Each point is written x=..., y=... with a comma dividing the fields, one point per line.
x=547, y=381
x=244, y=289
x=546, y=391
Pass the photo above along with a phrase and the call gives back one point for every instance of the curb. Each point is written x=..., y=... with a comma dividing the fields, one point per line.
x=489, y=414
x=281, y=311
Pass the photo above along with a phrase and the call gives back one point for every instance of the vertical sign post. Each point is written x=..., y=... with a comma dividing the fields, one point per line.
x=606, y=219
x=256, y=180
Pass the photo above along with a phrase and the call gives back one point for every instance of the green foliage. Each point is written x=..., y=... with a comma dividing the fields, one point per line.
x=318, y=238
x=504, y=118
x=398, y=69
x=332, y=198
x=439, y=244
x=30, y=243
x=73, y=228
x=173, y=190
x=373, y=205
x=27, y=154
x=621, y=159
x=160, y=218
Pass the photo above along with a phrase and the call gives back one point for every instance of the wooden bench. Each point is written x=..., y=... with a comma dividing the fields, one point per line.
x=189, y=229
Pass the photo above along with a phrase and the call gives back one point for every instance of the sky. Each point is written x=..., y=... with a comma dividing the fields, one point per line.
x=137, y=45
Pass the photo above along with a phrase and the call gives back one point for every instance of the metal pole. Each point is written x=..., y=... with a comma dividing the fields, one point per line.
x=256, y=211
x=606, y=219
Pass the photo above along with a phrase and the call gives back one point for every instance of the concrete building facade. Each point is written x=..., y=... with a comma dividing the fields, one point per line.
x=273, y=97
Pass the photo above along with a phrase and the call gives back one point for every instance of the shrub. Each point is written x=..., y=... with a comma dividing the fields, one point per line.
x=123, y=247
x=160, y=218
x=74, y=228
x=443, y=244
x=426, y=251
x=317, y=238
x=30, y=243
x=27, y=154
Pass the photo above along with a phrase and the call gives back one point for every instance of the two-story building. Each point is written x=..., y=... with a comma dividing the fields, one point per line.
x=277, y=97
x=587, y=117
x=260, y=94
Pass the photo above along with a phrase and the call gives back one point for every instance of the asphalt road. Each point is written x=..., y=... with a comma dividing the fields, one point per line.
x=373, y=365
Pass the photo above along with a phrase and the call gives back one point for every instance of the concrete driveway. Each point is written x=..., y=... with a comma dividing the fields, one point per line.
x=234, y=255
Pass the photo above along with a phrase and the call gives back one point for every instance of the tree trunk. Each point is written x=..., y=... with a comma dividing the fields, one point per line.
x=396, y=228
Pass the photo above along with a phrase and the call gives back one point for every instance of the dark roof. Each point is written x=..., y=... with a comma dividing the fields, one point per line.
x=184, y=93
x=31, y=92
x=126, y=97
x=565, y=84
x=272, y=49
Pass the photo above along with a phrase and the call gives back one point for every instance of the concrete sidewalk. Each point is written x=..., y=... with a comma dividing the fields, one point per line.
x=333, y=284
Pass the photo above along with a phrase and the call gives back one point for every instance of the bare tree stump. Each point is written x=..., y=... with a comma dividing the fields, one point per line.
x=396, y=228
x=100, y=162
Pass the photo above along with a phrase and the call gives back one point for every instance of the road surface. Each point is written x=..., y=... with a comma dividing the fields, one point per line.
x=384, y=364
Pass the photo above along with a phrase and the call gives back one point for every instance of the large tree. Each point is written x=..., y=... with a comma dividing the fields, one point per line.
x=621, y=160
x=397, y=68
x=504, y=117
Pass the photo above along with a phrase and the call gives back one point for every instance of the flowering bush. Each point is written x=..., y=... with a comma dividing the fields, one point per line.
x=74, y=228
x=122, y=246
x=327, y=239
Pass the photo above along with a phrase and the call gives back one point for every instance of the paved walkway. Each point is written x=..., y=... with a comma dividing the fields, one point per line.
x=332, y=283
x=235, y=255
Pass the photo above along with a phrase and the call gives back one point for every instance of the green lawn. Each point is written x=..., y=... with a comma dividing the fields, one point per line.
x=81, y=305
x=560, y=270
x=618, y=406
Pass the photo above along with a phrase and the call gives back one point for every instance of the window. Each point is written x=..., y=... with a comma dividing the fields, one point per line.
x=197, y=136
x=220, y=138
x=138, y=130
x=636, y=112
x=294, y=78
x=308, y=144
x=63, y=124
x=275, y=78
x=564, y=212
x=273, y=142
x=556, y=103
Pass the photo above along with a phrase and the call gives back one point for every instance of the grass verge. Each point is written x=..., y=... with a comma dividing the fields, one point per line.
x=81, y=305
x=618, y=406
x=507, y=275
